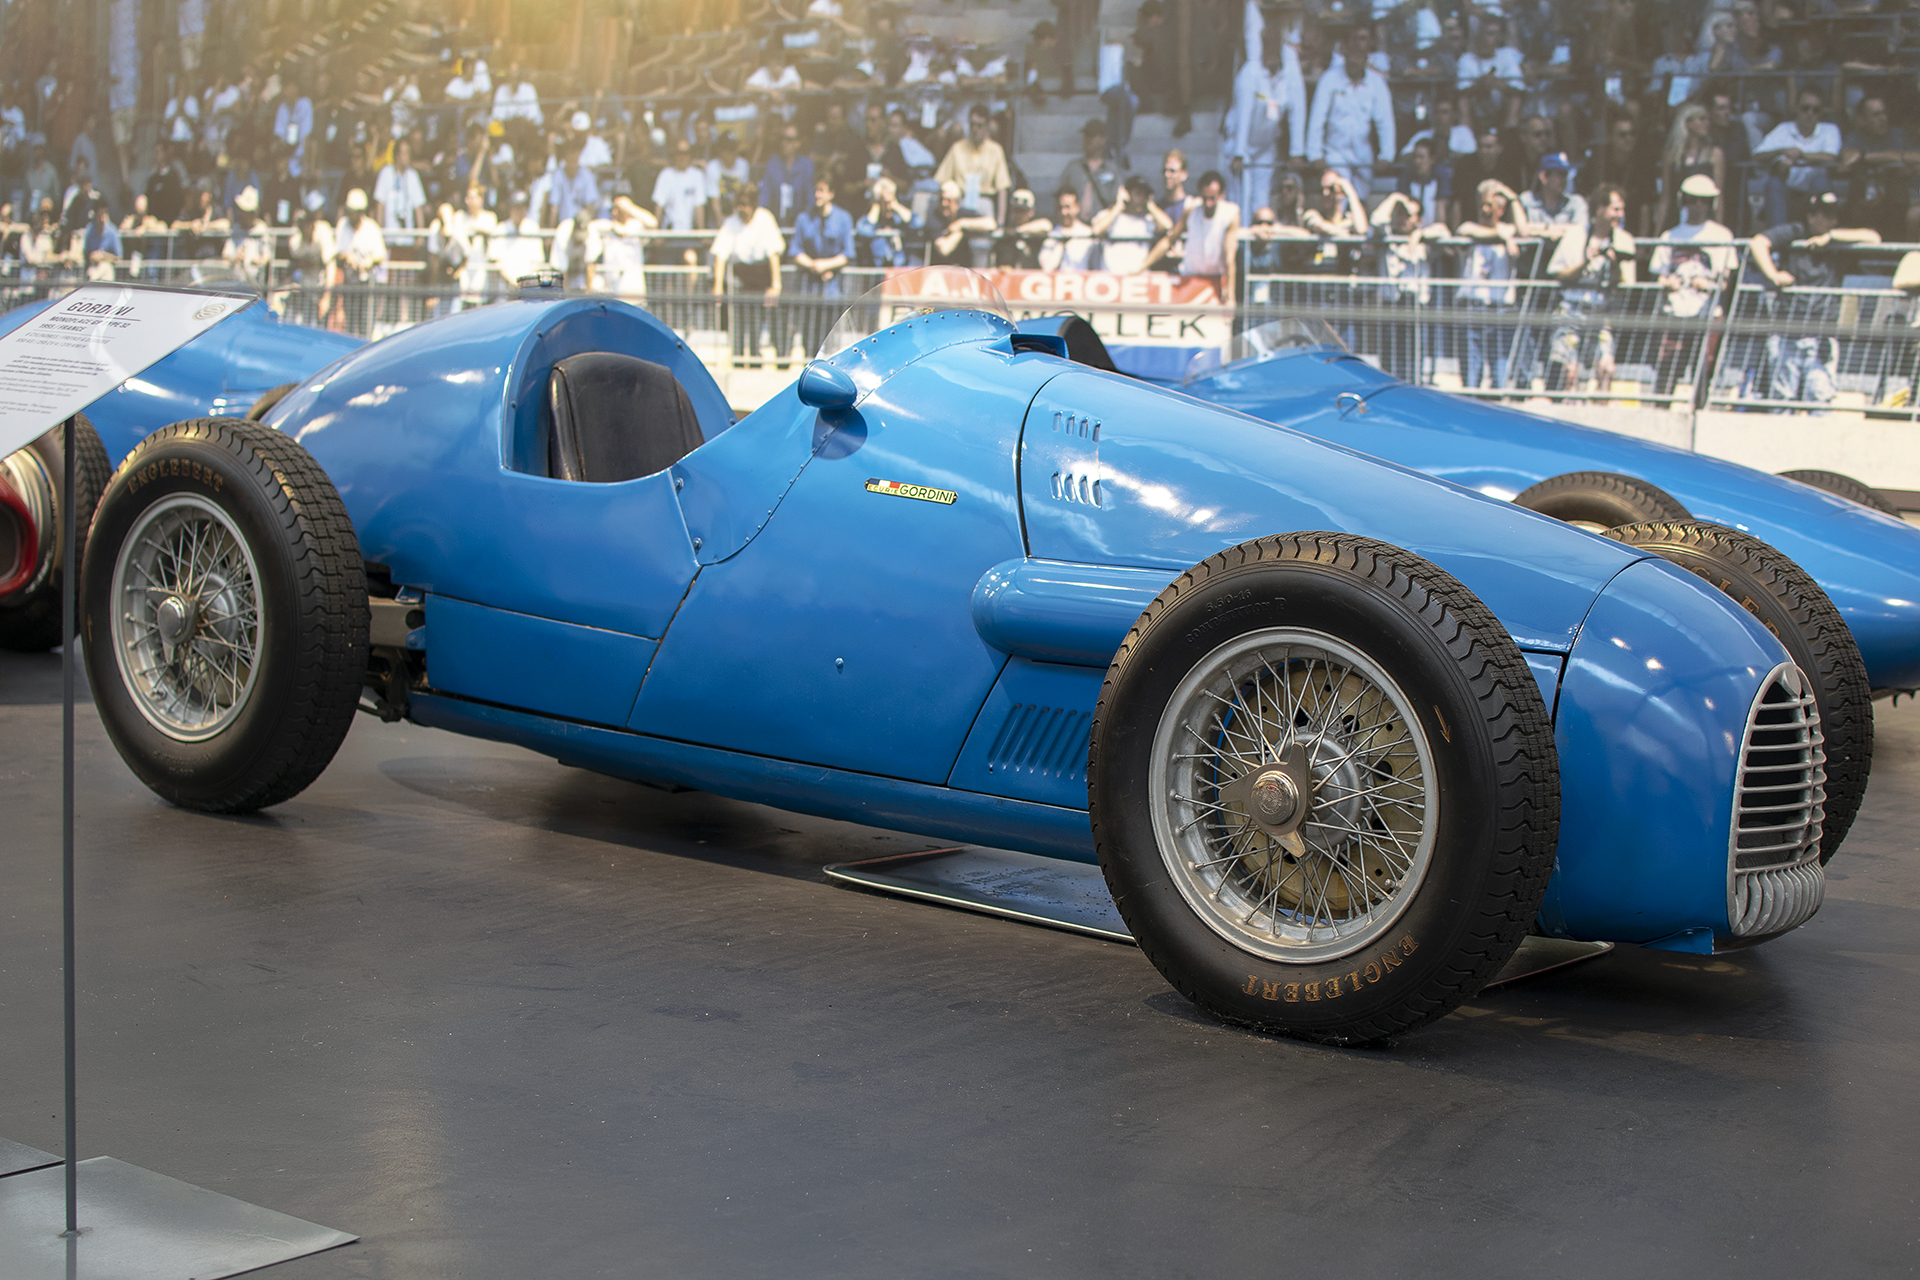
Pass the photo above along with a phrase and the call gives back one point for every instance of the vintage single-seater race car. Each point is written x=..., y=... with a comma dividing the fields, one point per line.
x=1339, y=735
x=236, y=367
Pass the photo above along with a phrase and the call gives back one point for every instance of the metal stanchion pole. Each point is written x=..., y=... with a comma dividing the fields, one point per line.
x=69, y=573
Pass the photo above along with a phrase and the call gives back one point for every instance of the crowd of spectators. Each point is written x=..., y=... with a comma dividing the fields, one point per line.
x=793, y=139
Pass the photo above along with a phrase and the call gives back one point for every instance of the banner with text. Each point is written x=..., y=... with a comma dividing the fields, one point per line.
x=1152, y=323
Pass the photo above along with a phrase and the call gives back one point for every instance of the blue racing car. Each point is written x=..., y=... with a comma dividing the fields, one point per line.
x=1338, y=735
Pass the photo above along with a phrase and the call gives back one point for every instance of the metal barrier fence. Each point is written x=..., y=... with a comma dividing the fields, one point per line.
x=1795, y=350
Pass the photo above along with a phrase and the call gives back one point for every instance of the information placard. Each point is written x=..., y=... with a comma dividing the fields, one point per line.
x=90, y=342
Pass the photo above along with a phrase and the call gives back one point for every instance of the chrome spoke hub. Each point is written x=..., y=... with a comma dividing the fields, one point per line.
x=1296, y=796
x=186, y=620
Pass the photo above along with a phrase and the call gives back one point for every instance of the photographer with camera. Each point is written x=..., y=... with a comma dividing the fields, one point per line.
x=1589, y=264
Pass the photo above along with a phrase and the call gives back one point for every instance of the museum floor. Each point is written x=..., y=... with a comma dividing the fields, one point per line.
x=508, y=1019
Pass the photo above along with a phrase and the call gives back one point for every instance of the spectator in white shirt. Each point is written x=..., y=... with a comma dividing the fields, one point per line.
x=515, y=98
x=1796, y=154
x=398, y=195
x=774, y=81
x=1266, y=93
x=623, y=251
x=516, y=247
x=680, y=192
x=363, y=259
x=1130, y=228
x=1351, y=123
x=1071, y=244
x=470, y=82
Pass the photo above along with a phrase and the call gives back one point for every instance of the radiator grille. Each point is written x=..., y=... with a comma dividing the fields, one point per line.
x=1774, y=850
x=1047, y=742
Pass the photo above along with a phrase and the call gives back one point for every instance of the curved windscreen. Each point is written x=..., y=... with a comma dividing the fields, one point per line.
x=1275, y=337
x=906, y=294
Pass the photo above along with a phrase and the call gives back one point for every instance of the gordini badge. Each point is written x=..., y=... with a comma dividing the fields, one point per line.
x=945, y=497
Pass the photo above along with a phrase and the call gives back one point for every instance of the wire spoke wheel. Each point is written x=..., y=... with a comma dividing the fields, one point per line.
x=1296, y=795
x=186, y=621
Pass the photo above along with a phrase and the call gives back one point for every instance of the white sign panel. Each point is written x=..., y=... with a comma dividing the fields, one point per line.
x=90, y=342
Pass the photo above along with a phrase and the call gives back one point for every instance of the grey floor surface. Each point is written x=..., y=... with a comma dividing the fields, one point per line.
x=508, y=1019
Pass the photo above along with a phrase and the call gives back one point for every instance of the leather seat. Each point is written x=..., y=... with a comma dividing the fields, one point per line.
x=616, y=417
x=1084, y=345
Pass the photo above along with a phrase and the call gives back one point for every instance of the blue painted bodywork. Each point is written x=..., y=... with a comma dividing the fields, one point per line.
x=763, y=620
x=219, y=374
x=1868, y=562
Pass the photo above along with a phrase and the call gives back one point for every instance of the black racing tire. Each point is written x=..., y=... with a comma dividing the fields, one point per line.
x=268, y=400
x=1448, y=922
x=1791, y=605
x=232, y=717
x=1843, y=486
x=1600, y=500
x=31, y=622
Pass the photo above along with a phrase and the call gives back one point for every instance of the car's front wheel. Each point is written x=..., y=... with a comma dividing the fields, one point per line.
x=226, y=615
x=1323, y=788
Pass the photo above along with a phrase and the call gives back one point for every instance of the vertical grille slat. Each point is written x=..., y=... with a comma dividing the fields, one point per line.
x=1774, y=874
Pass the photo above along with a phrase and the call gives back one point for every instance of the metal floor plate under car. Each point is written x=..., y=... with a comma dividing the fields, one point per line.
x=1073, y=896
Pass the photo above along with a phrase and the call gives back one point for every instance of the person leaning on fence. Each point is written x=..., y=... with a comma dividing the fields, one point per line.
x=1692, y=266
x=1801, y=257
x=880, y=237
x=1019, y=247
x=516, y=248
x=1209, y=237
x=1547, y=209
x=746, y=261
x=458, y=241
x=1590, y=263
x=363, y=255
x=576, y=250
x=249, y=246
x=623, y=249
x=1130, y=230
x=948, y=228
x=1405, y=265
x=1486, y=291
x=1071, y=244
x=822, y=248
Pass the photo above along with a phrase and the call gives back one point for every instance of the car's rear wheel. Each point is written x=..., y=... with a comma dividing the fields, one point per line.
x=1843, y=486
x=1791, y=605
x=30, y=620
x=226, y=615
x=1599, y=500
x=268, y=400
x=1323, y=788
